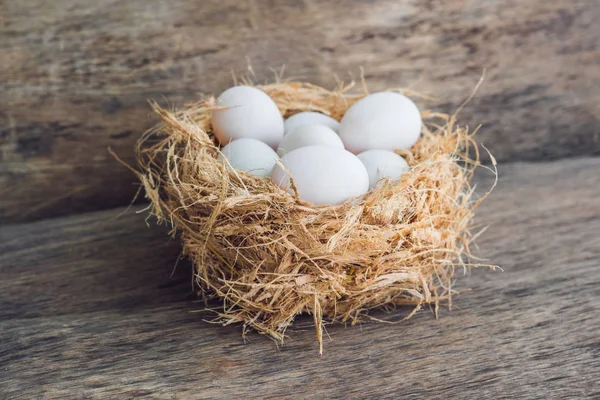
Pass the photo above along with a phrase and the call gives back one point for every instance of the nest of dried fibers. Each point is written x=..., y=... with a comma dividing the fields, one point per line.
x=269, y=256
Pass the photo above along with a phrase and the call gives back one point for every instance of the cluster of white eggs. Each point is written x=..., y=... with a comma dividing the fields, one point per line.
x=329, y=161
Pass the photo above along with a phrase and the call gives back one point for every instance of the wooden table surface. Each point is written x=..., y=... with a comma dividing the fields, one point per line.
x=88, y=311
x=91, y=306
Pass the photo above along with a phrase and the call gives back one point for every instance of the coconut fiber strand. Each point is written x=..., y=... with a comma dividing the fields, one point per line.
x=270, y=256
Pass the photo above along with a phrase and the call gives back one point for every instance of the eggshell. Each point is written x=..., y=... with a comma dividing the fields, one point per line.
x=306, y=135
x=310, y=118
x=322, y=174
x=250, y=155
x=386, y=121
x=252, y=114
x=383, y=164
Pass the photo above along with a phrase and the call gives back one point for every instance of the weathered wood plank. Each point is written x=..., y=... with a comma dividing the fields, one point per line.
x=92, y=262
x=75, y=76
x=528, y=332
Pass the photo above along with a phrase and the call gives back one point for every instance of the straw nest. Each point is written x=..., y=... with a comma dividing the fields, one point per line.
x=270, y=256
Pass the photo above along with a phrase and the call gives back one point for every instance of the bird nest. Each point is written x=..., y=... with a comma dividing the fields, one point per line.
x=269, y=256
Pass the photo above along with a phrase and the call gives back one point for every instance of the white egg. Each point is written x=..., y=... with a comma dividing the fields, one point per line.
x=322, y=174
x=252, y=114
x=250, y=155
x=306, y=135
x=383, y=164
x=386, y=121
x=310, y=118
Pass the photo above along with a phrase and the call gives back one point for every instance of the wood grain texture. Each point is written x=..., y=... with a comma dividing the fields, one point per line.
x=80, y=320
x=75, y=76
x=90, y=262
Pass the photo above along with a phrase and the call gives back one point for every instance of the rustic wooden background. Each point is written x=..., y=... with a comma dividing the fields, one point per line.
x=88, y=307
x=76, y=75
